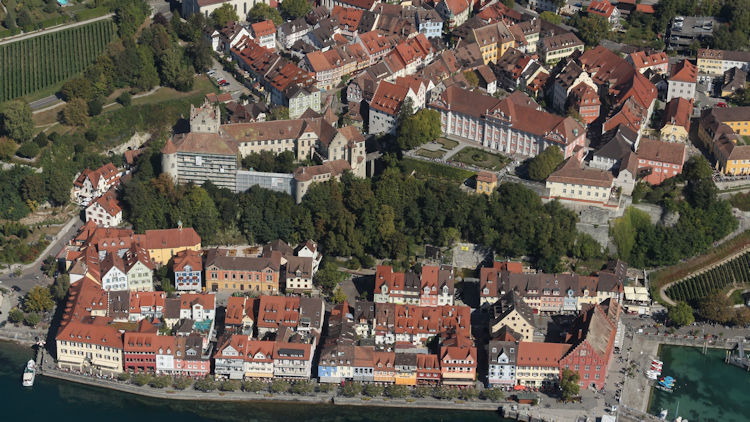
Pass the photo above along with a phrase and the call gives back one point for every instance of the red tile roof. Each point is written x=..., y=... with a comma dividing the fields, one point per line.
x=389, y=97
x=149, y=343
x=678, y=112
x=684, y=71
x=171, y=238
x=663, y=152
x=96, y=334
x=347, y=17
x=187, y=257
x=263, y=28
x=109, y=203
x=140, y=300
x=602, y=8
x=541, y=354
x=641, y=59
x=108, y=172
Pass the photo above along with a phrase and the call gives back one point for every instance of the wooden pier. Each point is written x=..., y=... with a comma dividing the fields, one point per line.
x=738, y=357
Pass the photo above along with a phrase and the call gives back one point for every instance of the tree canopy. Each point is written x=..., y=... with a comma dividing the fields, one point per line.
x=681, y=314
x=590, y=29
x=419, y=128
x=295, y=8
x=15, y=120
x=262, y=11
x=569, y=387
x=223, y=15
x=541, y=166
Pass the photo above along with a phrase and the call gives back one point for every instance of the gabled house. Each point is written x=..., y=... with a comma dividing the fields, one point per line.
x=187, y=267
x=240, y=314
x=453, y=12
x=502, y=363
x=264, y=34
x=106, y=210
x=605, y=9
x=437, y=287
x=512, y=312
x=658, y=161
x=113, y=274
x=139, y=269
x=676, y=121
x=91, y=184
x=591, y=343
x=683, y=81
x=458, y=364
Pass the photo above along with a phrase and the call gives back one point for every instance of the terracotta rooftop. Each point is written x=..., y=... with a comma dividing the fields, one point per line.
x=571, y=172
x=678, y=112
x=663, y=152
x=684, y=71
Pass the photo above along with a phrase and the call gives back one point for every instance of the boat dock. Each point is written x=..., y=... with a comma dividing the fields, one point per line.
x=738, y=357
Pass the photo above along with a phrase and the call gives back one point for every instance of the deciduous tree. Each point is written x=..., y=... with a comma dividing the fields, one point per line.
x=541, y=166
x=38, y=299
x=15, y=120
x=681, y=314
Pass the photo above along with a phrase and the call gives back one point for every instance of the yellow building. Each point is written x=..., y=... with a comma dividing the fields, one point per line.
x=493, y=40
x=726, y=132
x=162, y=245
x=676, y=122
x=486, y=182
x=92, y=348
x=511, y=311
x=406, y=369
x=716, y=62
x=538, y=364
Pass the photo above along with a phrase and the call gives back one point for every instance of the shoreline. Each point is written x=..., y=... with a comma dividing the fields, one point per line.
x=217, y=396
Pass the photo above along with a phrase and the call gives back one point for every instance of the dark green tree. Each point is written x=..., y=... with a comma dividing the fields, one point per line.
x=224, y=15
x=262, y=11
x=15, y=121
x=295, y=8
x=569, y=387
x=541, y=166
x=681, y=314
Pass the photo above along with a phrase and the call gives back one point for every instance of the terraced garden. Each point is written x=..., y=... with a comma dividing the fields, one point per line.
x=36, y=63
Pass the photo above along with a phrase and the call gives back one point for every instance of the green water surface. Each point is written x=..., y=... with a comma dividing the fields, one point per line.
x=707, y=389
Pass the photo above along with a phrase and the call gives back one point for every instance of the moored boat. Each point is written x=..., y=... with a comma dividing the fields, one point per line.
x=29, y=373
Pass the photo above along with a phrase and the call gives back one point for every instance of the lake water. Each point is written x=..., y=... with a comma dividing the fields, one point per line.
x=707, y=389
x=60, y=401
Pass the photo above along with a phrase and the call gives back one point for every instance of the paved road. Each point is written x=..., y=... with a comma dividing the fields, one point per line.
x=44, y=102
x=31, y=274
x=54, y=29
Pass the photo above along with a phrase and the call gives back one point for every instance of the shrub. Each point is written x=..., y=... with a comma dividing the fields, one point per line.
x=205, y=384
x=41, y=140
x=367, y=261
x=373, y=390
x=123, y=376
x=445, y=393
x=279, y=386
x=493, y=394
x=141, y=379
x=162, y=381
x=397, y=391
x=253, y=386
x=351, y=389
x=469, y=393
x=230, y=385
x=303, y=388
x=15, y=316
x=326, y=388
x=28, y=150
x=125, y=99
x=422, y=391
x=96, y=106
x=182, y=383
x=32, y=319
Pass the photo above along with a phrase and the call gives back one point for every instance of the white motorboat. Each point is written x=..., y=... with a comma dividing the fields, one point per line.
x=29, y=373
x=663, y=414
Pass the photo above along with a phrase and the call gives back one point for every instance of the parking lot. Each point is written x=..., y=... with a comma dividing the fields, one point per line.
x=217, y=73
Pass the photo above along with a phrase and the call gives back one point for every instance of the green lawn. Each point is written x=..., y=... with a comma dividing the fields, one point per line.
x=447, y=143
x=479, y=158
x=424, y=169
x=430, y=154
